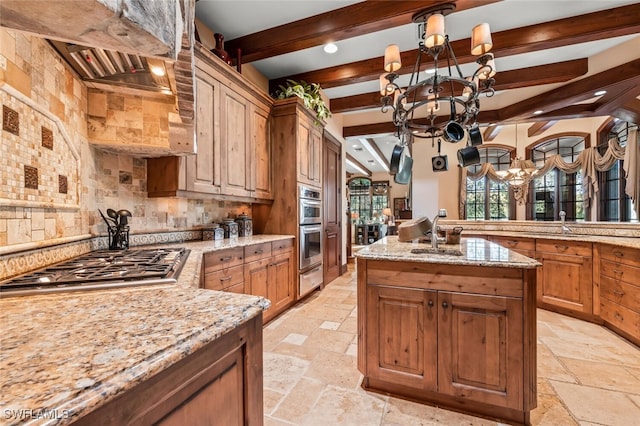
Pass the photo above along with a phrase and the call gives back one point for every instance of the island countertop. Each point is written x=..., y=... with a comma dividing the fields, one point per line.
x=470, y=251
x=65, y=354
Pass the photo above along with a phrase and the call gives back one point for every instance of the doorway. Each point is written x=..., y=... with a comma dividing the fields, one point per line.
x=332, y=179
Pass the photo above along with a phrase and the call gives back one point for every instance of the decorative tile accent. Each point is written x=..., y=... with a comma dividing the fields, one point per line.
x=47, y=138
x=63, y=185
x=30, y=177
x=126, y=177
x=10, y=120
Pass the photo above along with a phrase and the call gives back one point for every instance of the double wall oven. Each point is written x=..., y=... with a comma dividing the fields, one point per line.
x=310, y=238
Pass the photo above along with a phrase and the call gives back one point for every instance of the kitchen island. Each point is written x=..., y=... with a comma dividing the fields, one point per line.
x=453, y=326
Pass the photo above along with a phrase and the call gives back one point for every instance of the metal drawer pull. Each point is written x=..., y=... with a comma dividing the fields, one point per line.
x=512, y=243
x=618, y=292
x=445, y=305
x=430, y=303
x=618, y=253
x=258, y=252
x=617, y=271
x=562, y=248
x=225, y=279
x=224, y=259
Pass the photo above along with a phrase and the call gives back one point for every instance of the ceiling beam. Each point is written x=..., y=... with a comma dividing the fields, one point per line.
x=625, y=75
x=349, y=21
x=578, y=29
x=540, y=127
x=491, y=132
x=359, y=164
x=558, y=72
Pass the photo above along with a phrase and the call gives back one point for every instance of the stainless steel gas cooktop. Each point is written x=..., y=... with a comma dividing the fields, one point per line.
x=102, y=269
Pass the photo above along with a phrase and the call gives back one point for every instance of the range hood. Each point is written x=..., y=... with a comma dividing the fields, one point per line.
x=115, y=68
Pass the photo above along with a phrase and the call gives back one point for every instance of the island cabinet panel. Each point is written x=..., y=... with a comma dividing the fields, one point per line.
x=403, y=324
x=619, y=289
x=220, y=383
x=457, y=335
x=480, y=346
x=524, y=246
x=565, y=280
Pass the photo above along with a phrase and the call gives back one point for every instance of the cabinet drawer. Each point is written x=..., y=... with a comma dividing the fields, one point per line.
x=257, y=251
x=578, y=248
x=515, y=243
x=236, y=288
x=281, y=246
x=626, y=255
x=224, y=278
x=223, y=259
x=620, y=272
x=621, y=317
x=621, y=293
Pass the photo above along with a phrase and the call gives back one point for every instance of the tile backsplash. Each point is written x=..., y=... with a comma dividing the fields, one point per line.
x=46, y=132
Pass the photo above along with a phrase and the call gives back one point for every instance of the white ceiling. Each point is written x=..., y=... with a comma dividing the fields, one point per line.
x=235, y=18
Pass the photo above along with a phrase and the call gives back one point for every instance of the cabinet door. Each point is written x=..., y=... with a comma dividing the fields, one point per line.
x=280, y=288
x=261, y=171
x=256, y=279
x=401, y=345
x=234, y=124
x=304, y=151
x=565, y=281
x=480, y=348
x=203, y=169
x=315, y=146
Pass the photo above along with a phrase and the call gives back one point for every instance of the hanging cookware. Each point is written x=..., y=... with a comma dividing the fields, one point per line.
x=404, y=172
x=453, y=132
x=123, y=215
x=113, y=215
x=396, y=155
x=468, y=156
x=475, y=136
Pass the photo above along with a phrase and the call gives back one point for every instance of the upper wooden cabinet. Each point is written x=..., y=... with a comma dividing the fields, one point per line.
x=296, y=129
x=233, y=156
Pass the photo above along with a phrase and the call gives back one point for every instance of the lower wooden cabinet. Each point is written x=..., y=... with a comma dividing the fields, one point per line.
x=263, y=269
x=522, y=245
x=218, y=384
x=565, y=280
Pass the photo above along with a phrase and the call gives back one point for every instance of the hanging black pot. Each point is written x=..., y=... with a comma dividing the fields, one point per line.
x=453, y=132
x=396, y=155
x=468, y=156
x=475, y=136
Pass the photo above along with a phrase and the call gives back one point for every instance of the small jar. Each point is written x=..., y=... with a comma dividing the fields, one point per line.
x=230, y=228
x=245, y=225
x=213, y=232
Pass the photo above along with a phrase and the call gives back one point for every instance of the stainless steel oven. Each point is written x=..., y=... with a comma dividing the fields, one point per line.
x=310, y=246
x=310, y=206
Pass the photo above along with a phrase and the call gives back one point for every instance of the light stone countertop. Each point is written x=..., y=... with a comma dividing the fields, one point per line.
x=69, y=353
x=630, y=242
x=470, y=251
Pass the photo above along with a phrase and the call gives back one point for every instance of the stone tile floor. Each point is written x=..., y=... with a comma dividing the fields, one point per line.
x=586, y=374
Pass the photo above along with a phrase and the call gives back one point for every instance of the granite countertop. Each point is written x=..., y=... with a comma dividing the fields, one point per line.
x=65, y=354
x=603, y=239
x=470, y=251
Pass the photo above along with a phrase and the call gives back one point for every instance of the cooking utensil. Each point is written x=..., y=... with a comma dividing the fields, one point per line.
x=123, y=215
x=113, y=215
x=404, y=173
x=468, y=156
x=475, y=136
x=396, y=155
x=413, y=229
x=107, y=221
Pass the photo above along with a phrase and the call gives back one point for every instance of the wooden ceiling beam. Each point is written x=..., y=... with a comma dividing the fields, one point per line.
x=359, y=164
x=349, y=21
x=491, y=132
x=540, y=127
x=578, y=29
x=532, y=76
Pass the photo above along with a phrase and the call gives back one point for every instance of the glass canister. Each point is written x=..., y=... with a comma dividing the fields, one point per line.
x=230, y=228
x=213, y=232
x=245, y=225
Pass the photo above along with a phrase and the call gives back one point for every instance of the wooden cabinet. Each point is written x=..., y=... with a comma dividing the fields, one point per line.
x=437, y=333
x=269, y=272
x=233, y=158
x=309, y=152
x=220, y=383
x=565, y=279
x=265, y=269
x=524, y=246
x=619, y=289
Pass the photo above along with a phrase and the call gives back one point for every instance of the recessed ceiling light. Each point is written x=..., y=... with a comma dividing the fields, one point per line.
x=355, y=145
x=430, y=71
x=158, y=71
x=538, y=112
x=330, y=48
x=600, y=93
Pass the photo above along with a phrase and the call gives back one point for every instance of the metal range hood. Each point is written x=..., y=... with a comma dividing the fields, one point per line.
x=115, y=68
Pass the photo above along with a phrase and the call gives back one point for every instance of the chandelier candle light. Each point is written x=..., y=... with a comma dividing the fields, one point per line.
x=416, y=107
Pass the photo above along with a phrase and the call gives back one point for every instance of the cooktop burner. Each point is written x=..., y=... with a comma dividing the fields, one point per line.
x=100, y=269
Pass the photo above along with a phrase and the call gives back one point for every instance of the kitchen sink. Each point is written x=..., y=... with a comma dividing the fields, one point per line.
x=443, y=251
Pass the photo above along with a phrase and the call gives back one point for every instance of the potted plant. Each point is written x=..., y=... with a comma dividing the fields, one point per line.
x=309, y=93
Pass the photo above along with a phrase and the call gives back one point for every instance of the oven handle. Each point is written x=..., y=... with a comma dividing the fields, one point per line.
x=307, y=229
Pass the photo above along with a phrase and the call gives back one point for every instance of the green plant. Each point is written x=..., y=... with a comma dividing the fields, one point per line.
x=309, y=93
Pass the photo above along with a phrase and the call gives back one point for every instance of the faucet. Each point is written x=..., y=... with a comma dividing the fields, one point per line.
x=565, y=229
x=434, y=228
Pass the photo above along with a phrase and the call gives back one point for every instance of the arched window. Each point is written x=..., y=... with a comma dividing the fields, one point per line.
x=556, y=190
x=367, y=199
x=614, y=205
x=487, y=199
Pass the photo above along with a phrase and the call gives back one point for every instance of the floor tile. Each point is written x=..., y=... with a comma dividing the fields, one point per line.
x=339, y=406
x=550, y=367
x=551, y=412
x=295, y=339
x=335, y=369
x=602, y=375
x=281, y=372
x=299, y=401
x=330, y=325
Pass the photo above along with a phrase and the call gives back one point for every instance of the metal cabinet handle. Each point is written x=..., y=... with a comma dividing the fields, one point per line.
x=618, y=292
x=258, y=252
x=225, y=279
x=562, y=248
x=430, y=303
x=618, y=253
x=224, y=259
x=617, y=271
x=445, y=305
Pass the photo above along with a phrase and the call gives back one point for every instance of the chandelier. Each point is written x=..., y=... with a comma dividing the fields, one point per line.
x=519, y=173
x=452, y=95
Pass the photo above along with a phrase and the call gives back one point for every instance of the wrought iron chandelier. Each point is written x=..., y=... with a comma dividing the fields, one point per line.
x=454, y=96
